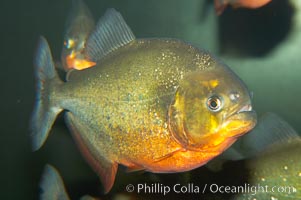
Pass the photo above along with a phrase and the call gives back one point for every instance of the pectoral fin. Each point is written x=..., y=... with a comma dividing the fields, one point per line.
x=135, y=168
x=105, y=168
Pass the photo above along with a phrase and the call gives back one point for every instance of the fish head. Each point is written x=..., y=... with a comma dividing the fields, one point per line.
x=211, y=109
x=71, y=47
x=75, y=43
x=79, y=25
x=73, y=54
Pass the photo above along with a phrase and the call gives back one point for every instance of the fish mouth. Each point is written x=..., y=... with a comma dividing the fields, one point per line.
x=240, y=122
x=245, y=108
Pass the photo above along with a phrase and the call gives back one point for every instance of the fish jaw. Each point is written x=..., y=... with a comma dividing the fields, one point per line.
x=239, y=123
x=232, y=127
x=192, y=157
x=73, y=62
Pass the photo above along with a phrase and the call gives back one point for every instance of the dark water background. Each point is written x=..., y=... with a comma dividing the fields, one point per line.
x=22, y=22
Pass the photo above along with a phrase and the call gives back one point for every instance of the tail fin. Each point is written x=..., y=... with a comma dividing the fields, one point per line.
x=53, y=188
x=52, y=185
x=45, y=111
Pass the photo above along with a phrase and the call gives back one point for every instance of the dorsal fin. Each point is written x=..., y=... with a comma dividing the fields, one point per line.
x=111, y=33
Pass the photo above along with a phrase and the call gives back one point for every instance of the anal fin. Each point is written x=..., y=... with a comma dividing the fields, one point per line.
x=135, y=168
x=105, y=168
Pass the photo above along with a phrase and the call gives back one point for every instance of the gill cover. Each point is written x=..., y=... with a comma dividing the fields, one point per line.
x=211, y=108
x=190, y=121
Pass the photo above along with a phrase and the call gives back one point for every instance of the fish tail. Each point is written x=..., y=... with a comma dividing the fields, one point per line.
x=45, y=108
x=52, y=186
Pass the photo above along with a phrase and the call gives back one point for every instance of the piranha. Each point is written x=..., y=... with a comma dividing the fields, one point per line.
x=80, y=24
x=160, y=105
x=220, y=5
x=275, y=173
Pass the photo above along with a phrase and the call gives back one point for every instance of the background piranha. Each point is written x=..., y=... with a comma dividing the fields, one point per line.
x=220, y=5
x=161, y=105
x=80, y=24
x=52, y=186
x=277, y=171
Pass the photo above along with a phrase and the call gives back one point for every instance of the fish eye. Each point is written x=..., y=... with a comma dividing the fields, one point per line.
x=69, y=43
x=66, y=44
x=214, y=103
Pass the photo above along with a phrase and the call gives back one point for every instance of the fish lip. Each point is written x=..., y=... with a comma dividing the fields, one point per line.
x=246, y=115
x=245, y=108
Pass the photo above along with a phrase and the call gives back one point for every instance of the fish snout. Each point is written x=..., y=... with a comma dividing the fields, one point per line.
x=241, y=122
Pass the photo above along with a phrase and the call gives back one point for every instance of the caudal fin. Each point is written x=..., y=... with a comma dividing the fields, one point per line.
x=52, y=185
x=53, y=188
x=45, y=110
